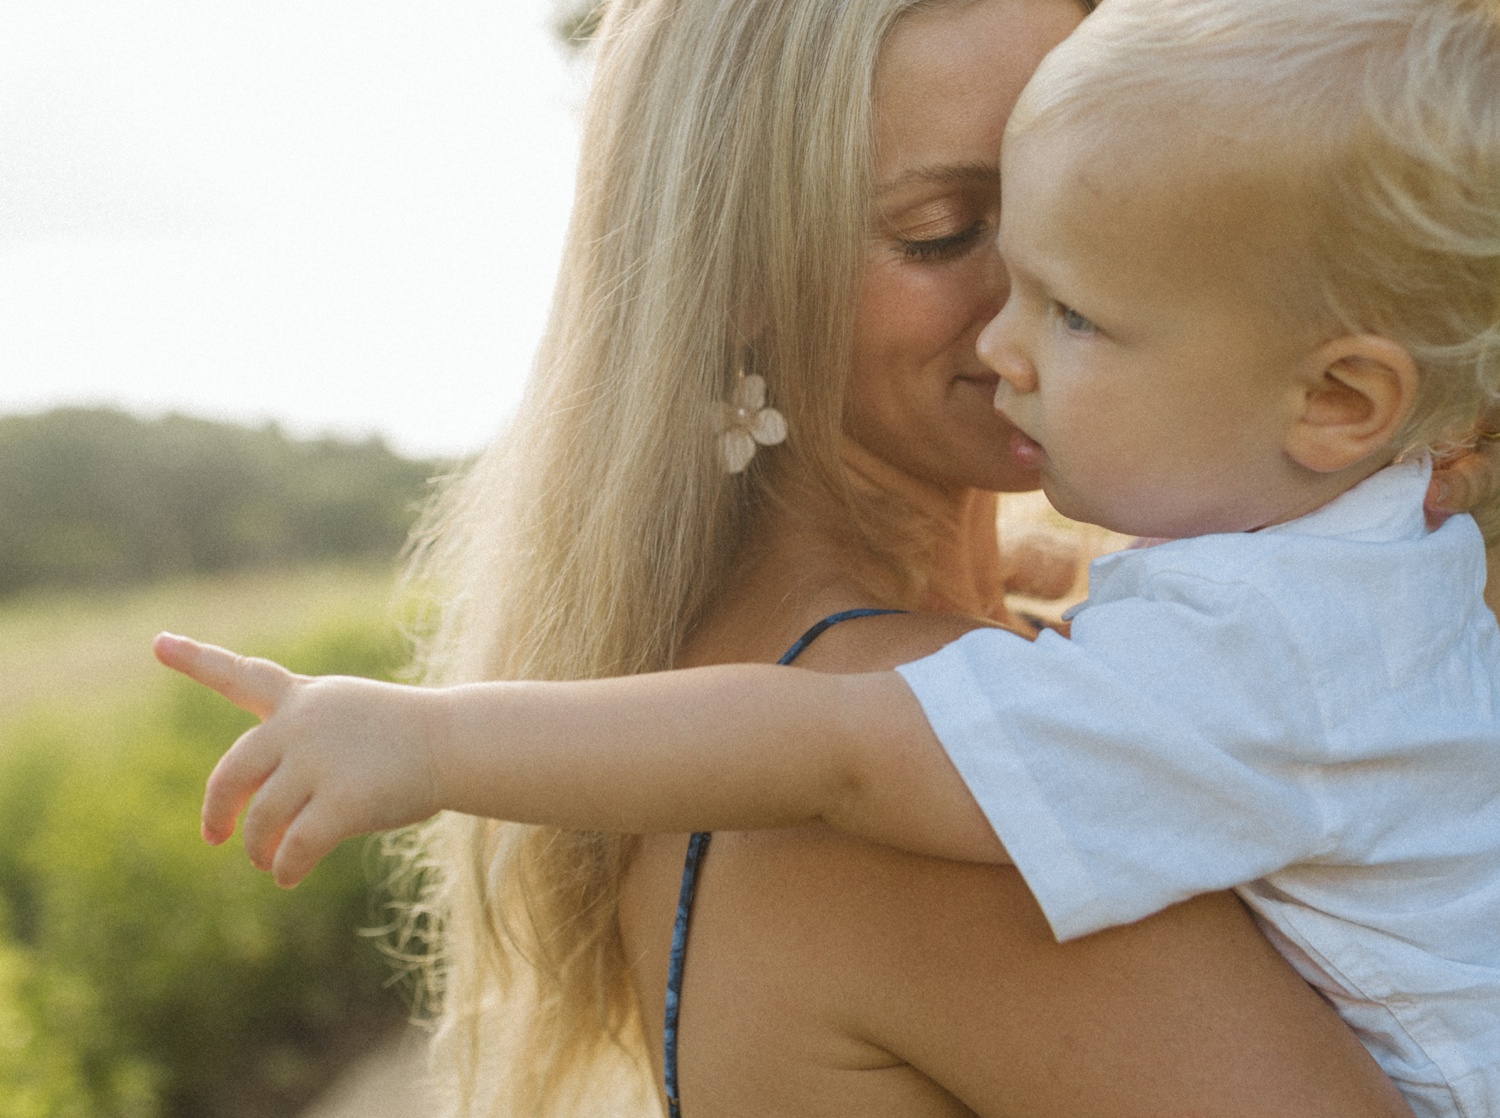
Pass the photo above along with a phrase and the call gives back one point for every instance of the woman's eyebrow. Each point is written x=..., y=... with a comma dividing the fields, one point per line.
x=944, y=174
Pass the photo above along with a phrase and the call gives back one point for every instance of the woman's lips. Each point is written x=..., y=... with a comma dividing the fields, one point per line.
x=1026, y=450
x=985, y=382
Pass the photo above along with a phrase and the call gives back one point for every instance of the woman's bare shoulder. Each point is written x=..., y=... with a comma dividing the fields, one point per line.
x=879, y=643
x=949, y=970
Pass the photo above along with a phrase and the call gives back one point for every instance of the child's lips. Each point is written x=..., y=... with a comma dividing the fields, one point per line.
x=1026, y=450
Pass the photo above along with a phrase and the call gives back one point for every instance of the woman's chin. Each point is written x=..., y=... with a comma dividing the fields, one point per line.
x=987, y=463
x=997, y=471
x=1018, y=471
x=1022, y=481
x=995, y=466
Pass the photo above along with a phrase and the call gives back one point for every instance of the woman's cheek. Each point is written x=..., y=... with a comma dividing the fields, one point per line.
x=923, y=309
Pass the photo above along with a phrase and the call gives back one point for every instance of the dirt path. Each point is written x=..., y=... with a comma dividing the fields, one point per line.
x=389, y=1082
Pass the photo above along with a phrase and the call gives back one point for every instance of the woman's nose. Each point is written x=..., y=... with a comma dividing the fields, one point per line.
x=999, y=348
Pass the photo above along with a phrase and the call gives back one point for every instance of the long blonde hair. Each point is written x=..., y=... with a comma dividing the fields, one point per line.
x=722, y=209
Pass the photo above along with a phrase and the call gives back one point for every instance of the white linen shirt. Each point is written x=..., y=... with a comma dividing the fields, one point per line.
x=1309, y=713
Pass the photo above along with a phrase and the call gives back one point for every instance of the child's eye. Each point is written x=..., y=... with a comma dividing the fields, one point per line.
x=1074, y=322
x=943, y=248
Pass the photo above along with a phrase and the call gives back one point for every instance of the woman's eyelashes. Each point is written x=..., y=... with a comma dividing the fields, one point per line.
x=943, y=248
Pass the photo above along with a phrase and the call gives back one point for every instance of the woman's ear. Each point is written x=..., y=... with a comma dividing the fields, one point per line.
x=1359, y=391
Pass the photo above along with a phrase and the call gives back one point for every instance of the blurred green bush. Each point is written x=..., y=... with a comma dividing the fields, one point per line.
x=98, y=498
x=144, y=974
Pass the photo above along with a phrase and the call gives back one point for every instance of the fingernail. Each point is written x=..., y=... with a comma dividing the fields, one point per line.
x=1442, y=492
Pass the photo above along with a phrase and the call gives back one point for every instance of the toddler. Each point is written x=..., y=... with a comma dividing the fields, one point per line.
x=1254, y=260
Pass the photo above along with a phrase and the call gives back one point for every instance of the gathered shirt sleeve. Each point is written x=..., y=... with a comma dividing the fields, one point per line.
x=1217, y=717
x=1120, y=781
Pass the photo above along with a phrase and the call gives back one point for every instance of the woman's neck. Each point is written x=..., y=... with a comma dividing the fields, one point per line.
x=959, y=568
x=809, y=560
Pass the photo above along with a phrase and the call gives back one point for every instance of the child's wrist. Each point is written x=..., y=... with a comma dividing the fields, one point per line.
x=436, y=732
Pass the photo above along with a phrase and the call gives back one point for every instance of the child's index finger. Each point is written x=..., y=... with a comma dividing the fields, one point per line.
x=249, y=683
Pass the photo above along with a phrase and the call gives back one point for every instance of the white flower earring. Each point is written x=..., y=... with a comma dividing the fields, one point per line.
x=746, y=422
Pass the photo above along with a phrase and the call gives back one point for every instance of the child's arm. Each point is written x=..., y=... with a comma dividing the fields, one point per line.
x=733, y=747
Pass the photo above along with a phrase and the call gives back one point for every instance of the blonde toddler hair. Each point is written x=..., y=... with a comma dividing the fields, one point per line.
x=1378, y=121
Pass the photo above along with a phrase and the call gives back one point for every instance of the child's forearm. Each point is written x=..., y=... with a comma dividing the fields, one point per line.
x=734, y=747
x=738, y=746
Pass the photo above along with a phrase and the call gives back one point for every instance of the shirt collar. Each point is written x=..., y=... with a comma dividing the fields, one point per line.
x=1386, y=506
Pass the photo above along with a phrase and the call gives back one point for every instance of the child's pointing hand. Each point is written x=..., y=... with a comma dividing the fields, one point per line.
x=334, y=756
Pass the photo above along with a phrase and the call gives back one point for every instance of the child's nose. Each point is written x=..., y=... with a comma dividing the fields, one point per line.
x=999, y=349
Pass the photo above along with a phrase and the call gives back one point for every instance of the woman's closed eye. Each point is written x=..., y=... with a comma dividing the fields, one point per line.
x=943, y=248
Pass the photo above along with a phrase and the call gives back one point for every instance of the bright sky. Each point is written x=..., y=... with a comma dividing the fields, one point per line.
x=341, y=214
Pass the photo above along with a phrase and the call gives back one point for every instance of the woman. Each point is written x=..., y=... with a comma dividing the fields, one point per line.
x=804, y=191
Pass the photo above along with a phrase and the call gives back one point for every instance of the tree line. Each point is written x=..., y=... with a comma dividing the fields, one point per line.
x=93, y=497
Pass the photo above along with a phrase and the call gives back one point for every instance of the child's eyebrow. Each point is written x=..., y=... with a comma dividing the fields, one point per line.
x=985, y=174
x=1019, y=270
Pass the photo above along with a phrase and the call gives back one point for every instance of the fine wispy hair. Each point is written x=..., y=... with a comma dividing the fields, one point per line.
x=1377, y=124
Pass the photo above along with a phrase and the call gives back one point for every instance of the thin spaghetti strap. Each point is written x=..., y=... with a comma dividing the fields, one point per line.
x=697, y=847
x=800, y=645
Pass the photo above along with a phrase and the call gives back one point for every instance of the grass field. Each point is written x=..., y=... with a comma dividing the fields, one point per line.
x=87, y=652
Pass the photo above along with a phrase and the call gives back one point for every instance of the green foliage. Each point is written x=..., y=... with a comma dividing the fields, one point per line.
x=47, y=1023
x=95, y=497
x=144, y=974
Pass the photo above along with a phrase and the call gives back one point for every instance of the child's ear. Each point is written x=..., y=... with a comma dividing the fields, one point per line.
x=1359, y=390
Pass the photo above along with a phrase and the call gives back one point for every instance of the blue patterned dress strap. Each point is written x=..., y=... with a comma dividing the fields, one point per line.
x=697, y=847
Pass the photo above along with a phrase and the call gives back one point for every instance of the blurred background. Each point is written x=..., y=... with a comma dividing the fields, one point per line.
x=266, y=267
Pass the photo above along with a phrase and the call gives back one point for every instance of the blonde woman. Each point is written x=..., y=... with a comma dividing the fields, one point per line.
x=800, y=195
x=759, y=427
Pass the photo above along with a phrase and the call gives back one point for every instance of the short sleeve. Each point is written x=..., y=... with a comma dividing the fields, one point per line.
x=1146, y=760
